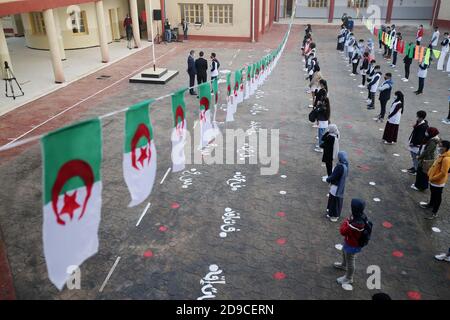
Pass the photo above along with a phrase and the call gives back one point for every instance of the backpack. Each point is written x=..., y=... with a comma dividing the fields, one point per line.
x=313, y=115
x=366, y=234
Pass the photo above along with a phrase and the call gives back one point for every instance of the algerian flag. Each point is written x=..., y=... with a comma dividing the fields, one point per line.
x=436, y=53
x=230, y=100
x=241, y=87
x=179, y=131
x=215, y=86
x=139, y=156
x=72, y=197
x=248, y=82
x=252, y=81
x=207, y=132
x=237, y=86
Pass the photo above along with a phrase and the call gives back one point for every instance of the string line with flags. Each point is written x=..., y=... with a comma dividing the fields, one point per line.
x=72, y=157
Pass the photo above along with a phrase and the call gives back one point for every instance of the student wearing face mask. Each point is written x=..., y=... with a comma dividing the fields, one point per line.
x=393, y=122
x=445, y=45
x=438, y=177
x=385, y=95
x=416, y=139
x=427, y=154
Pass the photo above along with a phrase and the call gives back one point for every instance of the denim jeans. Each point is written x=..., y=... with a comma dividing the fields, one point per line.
x=320, y=134
x=414, y=160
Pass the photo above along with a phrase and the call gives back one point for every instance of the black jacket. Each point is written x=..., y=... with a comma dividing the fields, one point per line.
x=418, y=134
x=322, y=113
x=320, y=96
x=191, y=66
x=327, y=145
x=201, y=65
x=407, y=60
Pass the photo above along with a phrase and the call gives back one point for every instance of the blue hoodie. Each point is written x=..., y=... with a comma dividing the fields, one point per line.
x=339, y=174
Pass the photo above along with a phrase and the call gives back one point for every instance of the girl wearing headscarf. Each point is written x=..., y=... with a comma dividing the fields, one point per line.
x=428, y=152
x=341, y=39
x=314, y=84
x=330, y=146
x=393, y=122
x=323, y=116
x=337, y=187
x=351, y=228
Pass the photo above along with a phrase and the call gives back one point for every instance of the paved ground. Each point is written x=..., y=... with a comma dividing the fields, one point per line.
x=33, y=68
x=285, y=246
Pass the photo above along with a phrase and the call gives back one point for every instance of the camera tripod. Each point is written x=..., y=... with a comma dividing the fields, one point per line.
x=9, y=78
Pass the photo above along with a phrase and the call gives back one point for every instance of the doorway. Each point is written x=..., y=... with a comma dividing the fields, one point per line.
x=288, y=8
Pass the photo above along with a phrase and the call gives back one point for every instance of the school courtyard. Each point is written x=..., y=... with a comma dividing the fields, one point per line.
x=285, y=247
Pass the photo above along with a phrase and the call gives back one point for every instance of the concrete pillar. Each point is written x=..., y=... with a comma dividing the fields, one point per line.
x=135, y=18
x=60, y=38
x=4, y=52
x=102, y=37
x=52, y=37
x=148, y=13
x=115, y=25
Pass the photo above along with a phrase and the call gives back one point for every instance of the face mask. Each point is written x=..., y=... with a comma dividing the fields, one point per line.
x=441, y=150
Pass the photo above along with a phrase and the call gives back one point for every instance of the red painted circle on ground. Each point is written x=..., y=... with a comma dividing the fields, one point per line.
x=281, y=241
x=348, y=126
x=281, y=214
x=279, y=276
x=414, y=295
x=175, y=205
x=283, y=161
x=163, y=228
x=387, y=225
x=397, y=254
x=148, y=254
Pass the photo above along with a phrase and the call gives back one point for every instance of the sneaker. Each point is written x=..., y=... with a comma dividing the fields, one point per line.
x=442, y=257
x=413, y=186
x=334, y=219
x=403, y=79
x=406, y=80
x=446, y=121
x=339, y=266
x=413, y=173
x=310, y=106
x=344, y=280
x=424, y=205
x=361, y=86
x=370, y=108
x=375, y=119
x=385, y=142
x=324, y=178
x=352, y=74
x=431, y=217
x=419, y=93
x=318, y=150
x=315, y=125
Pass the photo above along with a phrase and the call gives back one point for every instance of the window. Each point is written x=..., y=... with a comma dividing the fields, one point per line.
x=357, y=3
x=192, y=13
x=79, y=22
x=37, y=23
x=317, y=3
x=221, y=13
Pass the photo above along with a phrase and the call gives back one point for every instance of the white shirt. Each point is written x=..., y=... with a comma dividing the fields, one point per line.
x=374, y=87
x=215, y=73
x=395, y=119
x=323, y=124
x=435, y=38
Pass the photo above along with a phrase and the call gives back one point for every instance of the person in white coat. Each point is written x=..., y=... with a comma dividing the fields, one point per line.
x=373, y=87
x=422, y=74
x=435, y=38
x=445, y=45
x=395, y=114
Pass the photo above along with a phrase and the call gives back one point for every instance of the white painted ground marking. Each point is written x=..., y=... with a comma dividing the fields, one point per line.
x=109, y=274
x=339, y=247
x=283, y=176
x=164, y=178
x=282, y=192
x=437, y=230
x=396, y=155
x=376, y=199
x=372, y=183
x=143, y=214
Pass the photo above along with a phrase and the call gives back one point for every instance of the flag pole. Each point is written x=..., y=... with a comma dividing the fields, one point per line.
x=153, y=37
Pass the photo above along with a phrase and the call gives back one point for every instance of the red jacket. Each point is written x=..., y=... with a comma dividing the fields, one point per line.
x=351, y=232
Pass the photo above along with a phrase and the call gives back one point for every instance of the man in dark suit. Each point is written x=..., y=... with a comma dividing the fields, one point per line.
x=201, y=65
x=191, y=70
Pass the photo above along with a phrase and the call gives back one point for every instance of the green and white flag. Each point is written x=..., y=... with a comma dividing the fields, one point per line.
x=253, y=80
x=215, y=86
x=207, y=131
x=139, y=155
x=237, y=87
x=179, y=131
x=230, y=100
x=248, y=82
x=72, y=197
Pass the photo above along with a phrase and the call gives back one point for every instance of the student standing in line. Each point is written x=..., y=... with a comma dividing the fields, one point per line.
x=356, y=57
x=128, y=25
x=330, y=146
x=350, y=47
x=438, y=177
x=373, y=87
x=385, y=95
x=416, y=139
x=393, y=122
x=352, y=229
x=185, y=26
x=397, y=40
x=364, y=69
x=419, y=35
x=447, y=120
x=370, y=74
x=445, y=45
x=407, y=61
x=435, y=38
x=427, y=154
x=323, y=116
x=341, y=39
x=337, y=187
x=422, y=75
